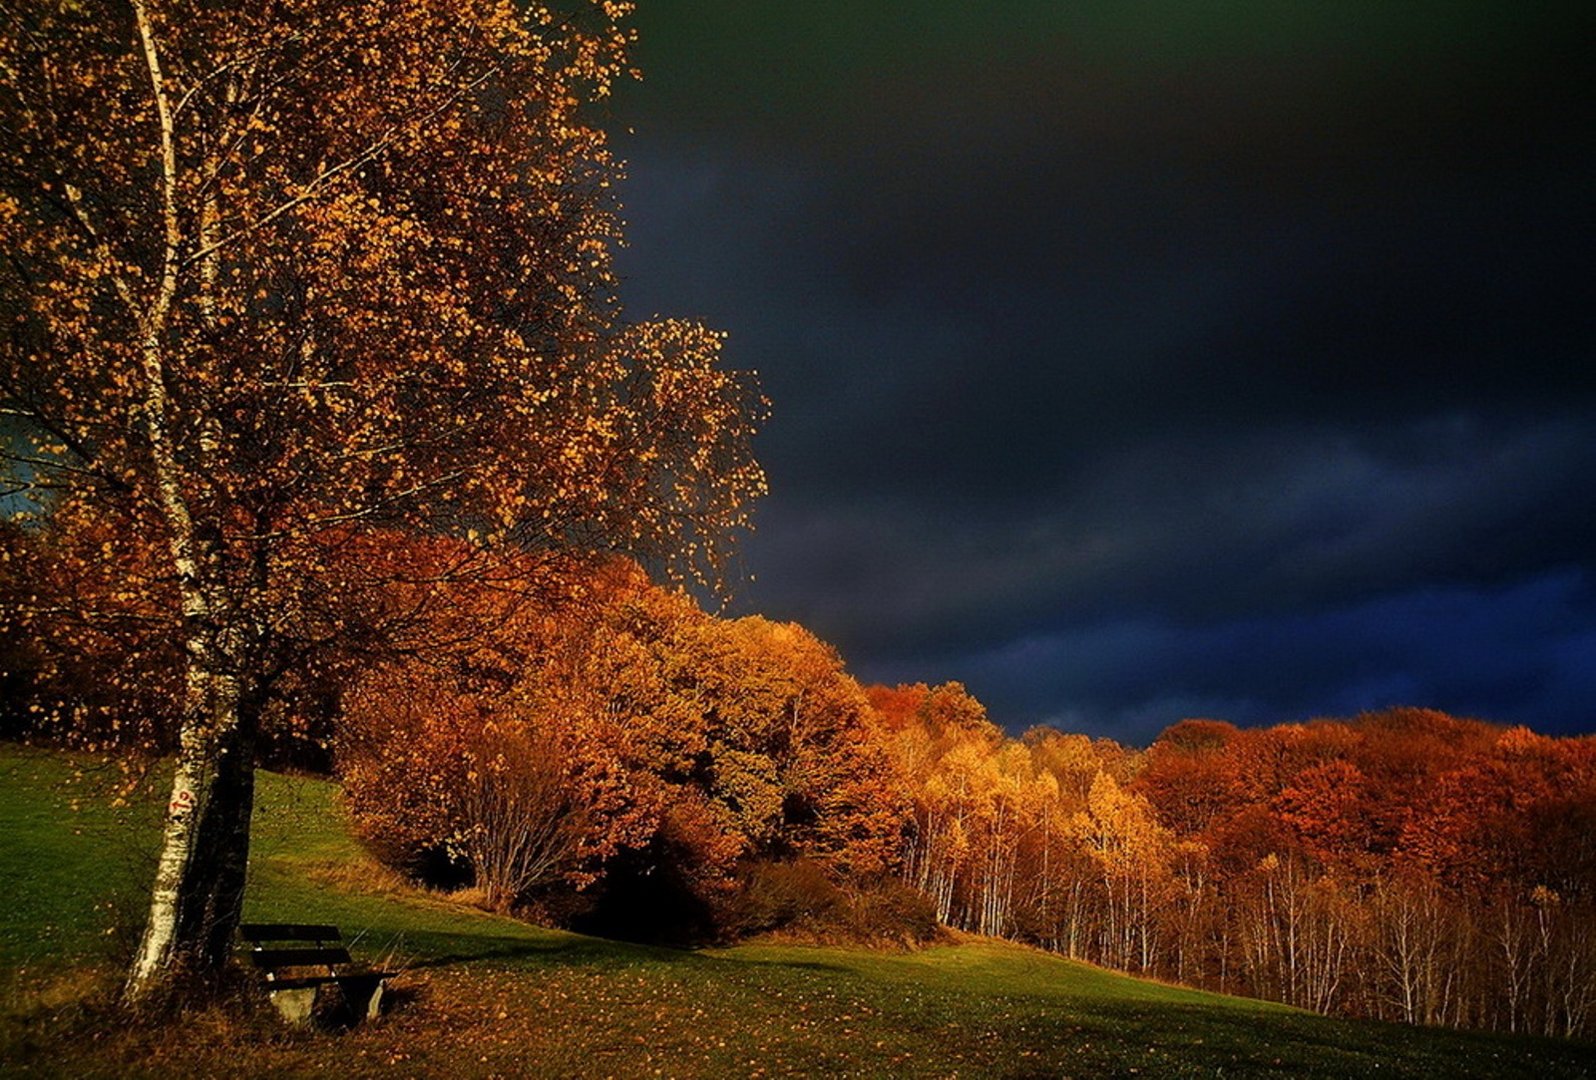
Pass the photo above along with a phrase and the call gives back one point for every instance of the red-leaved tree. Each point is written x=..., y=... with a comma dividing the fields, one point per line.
x=276, y=273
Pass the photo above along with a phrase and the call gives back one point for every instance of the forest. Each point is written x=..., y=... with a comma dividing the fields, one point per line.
x=620, y=761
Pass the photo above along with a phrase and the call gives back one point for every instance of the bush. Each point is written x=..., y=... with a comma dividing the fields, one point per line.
x=890, y=910
x=652, y=895
x=778, y=895
x=800, y=898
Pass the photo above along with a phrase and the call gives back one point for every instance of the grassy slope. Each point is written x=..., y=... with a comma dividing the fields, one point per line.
x=485, y=996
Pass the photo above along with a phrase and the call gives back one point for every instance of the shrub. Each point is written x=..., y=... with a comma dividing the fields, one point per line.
x=779, y=895
x=800, y=897
x=890, y=910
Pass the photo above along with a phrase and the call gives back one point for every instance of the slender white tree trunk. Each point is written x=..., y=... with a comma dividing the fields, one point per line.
x=198, y=889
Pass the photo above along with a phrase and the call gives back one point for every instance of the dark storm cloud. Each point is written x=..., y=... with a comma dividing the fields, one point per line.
x=1267, y=525
x=1100, y=362
x=1333, y=262
x=1457, y=649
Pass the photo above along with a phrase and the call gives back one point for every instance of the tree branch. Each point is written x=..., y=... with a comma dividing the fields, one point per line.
x=322, y=180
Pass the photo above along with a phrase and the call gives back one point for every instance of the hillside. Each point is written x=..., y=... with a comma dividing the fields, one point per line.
x=487, y=996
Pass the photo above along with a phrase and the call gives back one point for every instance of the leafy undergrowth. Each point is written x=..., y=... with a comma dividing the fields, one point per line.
x=485, y=996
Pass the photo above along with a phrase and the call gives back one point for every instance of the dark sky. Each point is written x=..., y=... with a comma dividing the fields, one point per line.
x=1140, y=360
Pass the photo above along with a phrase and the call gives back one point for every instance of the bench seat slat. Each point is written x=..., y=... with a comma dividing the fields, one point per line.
x=283, y=958
x=302, y=983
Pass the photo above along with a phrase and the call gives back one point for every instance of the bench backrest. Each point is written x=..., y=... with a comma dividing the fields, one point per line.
x=324, y=946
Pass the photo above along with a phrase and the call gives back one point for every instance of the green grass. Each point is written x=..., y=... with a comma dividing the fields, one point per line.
x=68, y=858
x=486, y=996
x=77, y=855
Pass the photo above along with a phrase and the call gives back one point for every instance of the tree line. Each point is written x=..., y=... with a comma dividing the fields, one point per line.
x=615, y=759
x=1404, y=865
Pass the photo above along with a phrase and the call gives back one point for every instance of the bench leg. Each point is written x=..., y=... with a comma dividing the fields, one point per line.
x=363, y=995
x=374, y=1003
x=295, y=1004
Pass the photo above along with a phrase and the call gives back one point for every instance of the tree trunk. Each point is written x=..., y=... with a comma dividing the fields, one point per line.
x=198, y=894
x=210, y=909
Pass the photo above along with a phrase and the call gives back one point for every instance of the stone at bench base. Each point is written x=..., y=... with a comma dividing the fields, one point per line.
x=295, y=1003
x=361, y=992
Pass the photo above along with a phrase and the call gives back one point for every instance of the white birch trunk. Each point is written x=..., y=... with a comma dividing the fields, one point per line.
x=195, y=875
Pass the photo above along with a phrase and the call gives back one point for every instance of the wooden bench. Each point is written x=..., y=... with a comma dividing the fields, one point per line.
x=299, y=959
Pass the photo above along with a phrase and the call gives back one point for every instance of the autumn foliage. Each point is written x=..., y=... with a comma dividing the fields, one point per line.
x=1405, y=864
x=279, y=278
x=605, y=754
x=657, y=755
x=702, y=777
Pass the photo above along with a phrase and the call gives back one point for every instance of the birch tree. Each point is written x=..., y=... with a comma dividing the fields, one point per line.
x=277, y=273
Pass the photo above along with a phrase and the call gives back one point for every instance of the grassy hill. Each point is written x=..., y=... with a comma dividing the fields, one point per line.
x=486, y=996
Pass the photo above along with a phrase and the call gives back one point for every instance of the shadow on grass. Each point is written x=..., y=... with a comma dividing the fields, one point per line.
x=1223, y=1041
x=1089, y=1032
x=439, y=950
x=754, y=963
